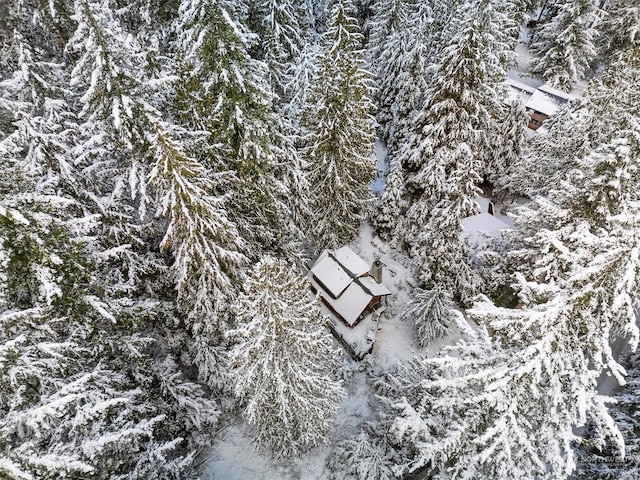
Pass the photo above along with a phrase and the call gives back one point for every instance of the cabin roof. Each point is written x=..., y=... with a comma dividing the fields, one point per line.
x=342, y=280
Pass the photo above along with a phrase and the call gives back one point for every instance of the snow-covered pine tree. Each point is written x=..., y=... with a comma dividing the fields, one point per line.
x=107, y=69
x=360, y=458
x=508, y=145
x=281, y=26
x=619, y=30
x=44, y=127
x=432, y=312
x=599, y=457
x=578, y=248
x=283, y=360
x=340, y=138
x=578, y=251
x=389, y=18
x=564, y=47
x=442, y=158
x=302, y=76
x=205, y=245
x=479, y=401
x=387, y=214
x=109, y=77
x=82, y=393
x=224, y=91
x=76, y=297
x=400, y=61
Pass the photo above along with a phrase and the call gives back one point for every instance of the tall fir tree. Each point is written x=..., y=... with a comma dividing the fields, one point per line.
x=433, y=314
x=600, y=457
x=564, y=47
x=618, y=31
x=283, y=30
x=508, y=146
x=442, y=158
x=283, y=359
x=388, y=210
x=205, y=245
x=224, y=91
x=340, y=138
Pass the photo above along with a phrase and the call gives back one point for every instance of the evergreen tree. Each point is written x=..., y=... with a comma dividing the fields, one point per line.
x=619, y=31
x=282, y=30
x=205, y=246
x=81, y=394
x=576, y=277
x=340, y=135
x=282, y=359
x=600, y=457
x=302, y=76
x=389, y=18
x=508, y=145
x=360, y=458
x=79, y=379
x=387, y=214
x=224, y=91
x=432, y=312
x=479, y=401
x=564, y=47
x=443, y=156
x=88, y=369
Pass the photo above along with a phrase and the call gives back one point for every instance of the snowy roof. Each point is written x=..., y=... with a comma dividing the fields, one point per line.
x=536, y=95
x=376, y=289
x=520, y=85
x=351, y=261
x=483, y=203
x=477, y=225
x=544, y=103
x=556, y=93
x=350, y=304
x=343, y=281
x=331, y=275
x=522, y=79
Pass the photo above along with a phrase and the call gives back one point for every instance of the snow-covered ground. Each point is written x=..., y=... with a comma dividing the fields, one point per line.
x=377, y=184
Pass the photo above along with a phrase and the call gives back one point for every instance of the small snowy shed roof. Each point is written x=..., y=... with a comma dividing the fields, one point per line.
x=477, y=225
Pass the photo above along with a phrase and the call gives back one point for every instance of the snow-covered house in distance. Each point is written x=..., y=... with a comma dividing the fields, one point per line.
x=347, y=285
x=542, y=101
x=477, y=228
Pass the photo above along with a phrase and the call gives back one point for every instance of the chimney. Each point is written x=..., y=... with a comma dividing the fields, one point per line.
x=376, y=271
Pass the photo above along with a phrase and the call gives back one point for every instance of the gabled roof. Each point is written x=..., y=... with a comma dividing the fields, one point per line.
x=376, y=289
x=545, y=103
x=483, y=223
x=535, y=95
x=343, y=281
x=351, y=303
x=331, y=275
x=351, y=261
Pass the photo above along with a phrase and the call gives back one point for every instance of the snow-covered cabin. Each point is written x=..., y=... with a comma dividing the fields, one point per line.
x=541, y=100
x=346, y=284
